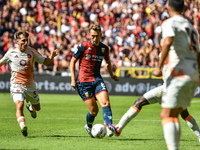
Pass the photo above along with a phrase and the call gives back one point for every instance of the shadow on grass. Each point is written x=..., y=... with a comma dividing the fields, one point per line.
x=18, y=149
x=57, y=136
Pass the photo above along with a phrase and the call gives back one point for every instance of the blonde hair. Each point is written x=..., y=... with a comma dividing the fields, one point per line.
x=95, y=27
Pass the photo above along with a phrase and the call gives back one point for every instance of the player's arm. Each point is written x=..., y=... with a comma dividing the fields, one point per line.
x=109, y=68
x=48, y=60
x=1, y=64
x=198, y=61
x=72, y=70
x=165, y=50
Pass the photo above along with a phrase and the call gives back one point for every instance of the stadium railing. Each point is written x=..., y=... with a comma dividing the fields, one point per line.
x=136, y=72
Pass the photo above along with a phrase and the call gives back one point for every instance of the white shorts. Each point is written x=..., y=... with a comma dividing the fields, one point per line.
x=177, y=93
x=21, y=93
x=154, y=95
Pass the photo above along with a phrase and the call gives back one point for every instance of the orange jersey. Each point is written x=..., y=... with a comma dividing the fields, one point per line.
x=22, y=65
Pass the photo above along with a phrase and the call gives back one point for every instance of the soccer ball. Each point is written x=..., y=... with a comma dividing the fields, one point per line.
x=98, y=130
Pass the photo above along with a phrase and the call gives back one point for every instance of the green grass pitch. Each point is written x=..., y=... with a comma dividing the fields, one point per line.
x=60, y=126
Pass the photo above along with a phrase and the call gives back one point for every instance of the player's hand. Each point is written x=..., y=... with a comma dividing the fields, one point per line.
x=157, y=72
x=114, y=77
x=73, y=84
x=54, y=53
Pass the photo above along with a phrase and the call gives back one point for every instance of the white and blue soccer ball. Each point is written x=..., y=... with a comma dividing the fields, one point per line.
x=98, y=130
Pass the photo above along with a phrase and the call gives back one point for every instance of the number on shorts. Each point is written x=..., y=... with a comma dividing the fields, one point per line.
x=35, y=94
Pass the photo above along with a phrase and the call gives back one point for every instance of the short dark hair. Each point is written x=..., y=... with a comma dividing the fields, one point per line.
x=177, y=5
x=95, y=27
x=24, y=33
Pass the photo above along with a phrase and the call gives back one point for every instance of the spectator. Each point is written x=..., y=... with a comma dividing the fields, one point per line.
x=133, y=25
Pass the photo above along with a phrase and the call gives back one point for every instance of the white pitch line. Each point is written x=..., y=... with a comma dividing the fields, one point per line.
x=195, y=101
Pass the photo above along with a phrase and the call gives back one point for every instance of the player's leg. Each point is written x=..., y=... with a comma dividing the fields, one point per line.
x=151, y=97
x=103, y=100
x=33, y=97
x=171, y=127
x=191, y=122
x=132, y=112
x=18, y=99
x=85, y=90
x=93, y=111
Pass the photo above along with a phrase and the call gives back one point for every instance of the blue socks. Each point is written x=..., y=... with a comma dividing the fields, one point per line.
x=107, y=114
x=89, y=119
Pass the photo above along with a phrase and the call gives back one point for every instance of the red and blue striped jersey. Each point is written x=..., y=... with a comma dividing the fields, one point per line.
x=90, y=59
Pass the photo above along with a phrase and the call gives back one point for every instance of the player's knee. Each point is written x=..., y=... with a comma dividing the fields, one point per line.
x=140, y=102
x=36, y=107
x=105, y=104
x=19, y=106
x=184, y=114
x=162, y=115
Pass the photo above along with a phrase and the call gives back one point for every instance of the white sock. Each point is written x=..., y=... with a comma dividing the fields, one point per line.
x=171, y=130
x=31, y=108
x=191, y=122
x=128, y=116
x=21, y=123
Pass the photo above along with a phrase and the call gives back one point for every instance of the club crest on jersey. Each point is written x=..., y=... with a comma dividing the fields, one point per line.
x=102, y=50
x=22, y=62
x=86, y=94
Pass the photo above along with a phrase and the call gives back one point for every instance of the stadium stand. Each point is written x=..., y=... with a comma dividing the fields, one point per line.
x=131, y=28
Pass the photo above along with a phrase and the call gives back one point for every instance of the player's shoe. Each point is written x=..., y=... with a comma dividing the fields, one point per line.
x=24, y=131
x=109, y=132
x=88, y=130
x=33, y=113
x=112, y=128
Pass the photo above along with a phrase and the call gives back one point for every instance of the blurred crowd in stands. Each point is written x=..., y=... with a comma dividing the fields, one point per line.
x=131, y=28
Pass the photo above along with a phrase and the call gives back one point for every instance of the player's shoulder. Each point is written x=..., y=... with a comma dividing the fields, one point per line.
x=11, y=50
x=167, y=22
x=103, y=45
x=86, y=43
x=32, y=49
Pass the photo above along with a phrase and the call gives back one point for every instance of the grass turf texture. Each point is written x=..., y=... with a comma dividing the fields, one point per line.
x=60, y=125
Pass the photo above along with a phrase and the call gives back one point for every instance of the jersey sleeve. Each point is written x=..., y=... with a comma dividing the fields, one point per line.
x=6, y=58
x=167, y=29
x=107, y=57
x=38, y=57
x=78, y=52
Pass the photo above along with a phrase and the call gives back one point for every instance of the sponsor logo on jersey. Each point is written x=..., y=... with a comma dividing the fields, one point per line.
x=102, y=50
x=88, y=56
x=97, y=58
x=16, y=56
x=89, y=48
x=86, y=94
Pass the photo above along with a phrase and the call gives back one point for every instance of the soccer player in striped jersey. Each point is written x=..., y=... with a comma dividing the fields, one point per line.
x=89, y=82
x=22, y=60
